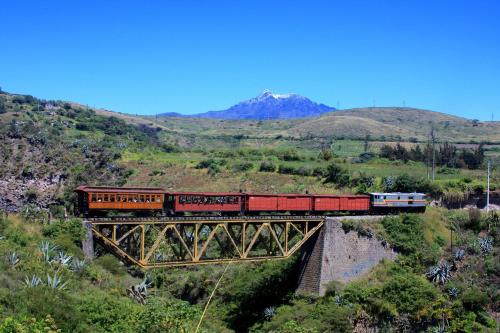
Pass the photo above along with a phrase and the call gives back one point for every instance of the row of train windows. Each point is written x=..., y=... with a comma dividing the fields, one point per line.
x=199, y=199
x=108, y=197
x=385, y=197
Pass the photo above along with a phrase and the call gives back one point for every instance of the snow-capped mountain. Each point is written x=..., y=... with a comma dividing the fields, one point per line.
x=271, y=106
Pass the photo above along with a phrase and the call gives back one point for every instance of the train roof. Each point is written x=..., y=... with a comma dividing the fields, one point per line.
x=396, y=193
x=154, y=190
x=205, y=193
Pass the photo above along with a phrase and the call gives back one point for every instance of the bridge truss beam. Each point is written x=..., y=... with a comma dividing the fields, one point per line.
x=151, y=243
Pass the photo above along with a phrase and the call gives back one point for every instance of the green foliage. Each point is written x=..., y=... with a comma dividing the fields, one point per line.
x=23, y=324
x=72, y=228
x=111, y=264
x=42, y=301
x=3, y=109
x=302, y=317
x=406, y=234
x=267, y=166
x=245, y=296
x=33, y=214
x=107, y=313
x=167, y=315
x=336, y=175
x=242, y=166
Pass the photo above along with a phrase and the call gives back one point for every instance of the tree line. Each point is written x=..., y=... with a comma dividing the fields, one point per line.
x=445, y=154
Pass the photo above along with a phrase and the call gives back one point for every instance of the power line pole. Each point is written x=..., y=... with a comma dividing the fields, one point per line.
x=488, y=189
x=433, y=153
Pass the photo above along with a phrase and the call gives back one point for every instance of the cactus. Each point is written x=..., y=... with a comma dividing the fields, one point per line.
x=440, y=273
x=13, y=258
x=33, y=282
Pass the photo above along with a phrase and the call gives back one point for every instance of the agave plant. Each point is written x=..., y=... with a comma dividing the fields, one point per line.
x=269, y=312
x=78, y=265
x=459, y=255
x=440, y=273
x=56, y=282
x=46, y=248
x=140, y=291
x=13, y=258
x=453, y=292
x=486, y=244
x=33, y=282
x=340, y=300
x=63, y=258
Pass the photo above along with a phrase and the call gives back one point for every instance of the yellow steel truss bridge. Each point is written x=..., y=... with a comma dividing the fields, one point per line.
x=164, y=242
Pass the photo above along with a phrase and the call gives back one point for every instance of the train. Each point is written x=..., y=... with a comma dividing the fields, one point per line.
x=144, y=201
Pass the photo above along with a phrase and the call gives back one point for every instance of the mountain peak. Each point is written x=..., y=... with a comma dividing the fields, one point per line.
x=269, y=105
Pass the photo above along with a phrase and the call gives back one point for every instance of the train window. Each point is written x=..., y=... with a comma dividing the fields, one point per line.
x=141, y=198
x=118, y=198
x=99, y=197
x=94, y=197
x=112, y=198
x=136, y=198
x=236, y=200
x=129, y=198
x=385, y=197
x=399, y=198
x=410, y=197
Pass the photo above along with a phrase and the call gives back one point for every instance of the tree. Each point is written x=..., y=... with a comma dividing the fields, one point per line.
x=2, y=107
x=336, y=175
x=366, y=143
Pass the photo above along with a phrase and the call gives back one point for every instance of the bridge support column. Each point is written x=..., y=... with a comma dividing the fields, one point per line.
x=88, y=242
x=338, y=256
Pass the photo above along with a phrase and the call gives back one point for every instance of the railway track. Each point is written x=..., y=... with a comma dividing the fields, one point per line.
x=219, y=219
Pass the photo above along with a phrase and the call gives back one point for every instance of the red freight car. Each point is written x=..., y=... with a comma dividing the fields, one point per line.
x=183, y=202
x=278, y=203
x=332, y=203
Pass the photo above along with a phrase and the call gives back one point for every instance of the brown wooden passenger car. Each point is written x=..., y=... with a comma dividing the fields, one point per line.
x=96, y=198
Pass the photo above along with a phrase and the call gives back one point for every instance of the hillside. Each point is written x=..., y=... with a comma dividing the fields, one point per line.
x=49, y=147
x=384, y=123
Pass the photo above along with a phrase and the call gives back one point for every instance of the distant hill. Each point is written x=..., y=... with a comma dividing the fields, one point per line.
x=384, y=123
x=271, y=106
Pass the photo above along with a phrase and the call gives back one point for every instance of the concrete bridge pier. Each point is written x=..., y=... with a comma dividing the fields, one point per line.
x=338, y=256
x=88, y=242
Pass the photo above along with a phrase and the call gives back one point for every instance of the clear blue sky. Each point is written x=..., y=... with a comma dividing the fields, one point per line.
x=193, y=56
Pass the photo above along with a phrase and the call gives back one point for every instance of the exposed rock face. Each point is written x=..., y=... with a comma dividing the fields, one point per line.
x=15, y=192
x=339, y=256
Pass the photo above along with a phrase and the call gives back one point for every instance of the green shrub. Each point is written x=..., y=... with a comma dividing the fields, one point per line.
x=111, y=264
x=267, y=166
x=106, y=313
x=336, y=175
x=243, y=166
x=286, y=170
x=73, y=228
